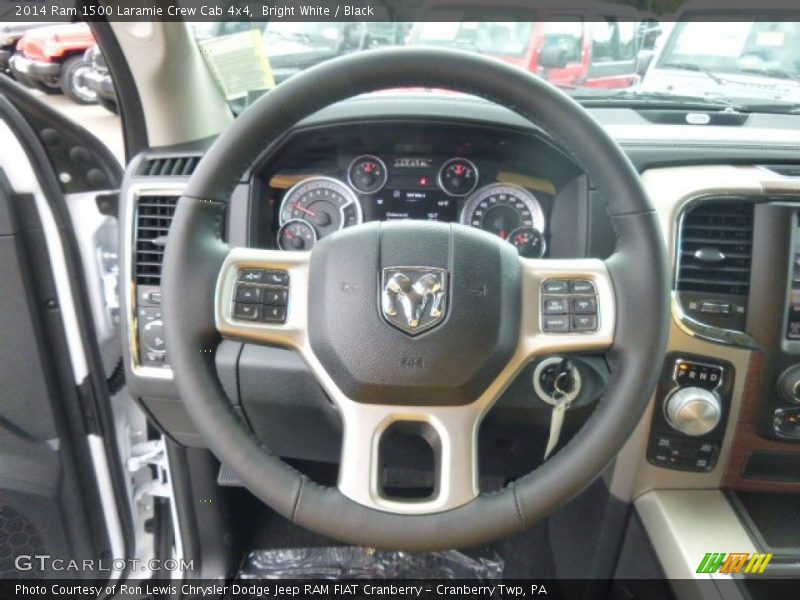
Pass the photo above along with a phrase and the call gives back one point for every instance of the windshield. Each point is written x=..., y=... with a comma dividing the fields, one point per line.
x=622, y=57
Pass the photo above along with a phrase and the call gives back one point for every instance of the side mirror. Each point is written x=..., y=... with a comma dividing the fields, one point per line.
x=643, y=60
x=553, y=57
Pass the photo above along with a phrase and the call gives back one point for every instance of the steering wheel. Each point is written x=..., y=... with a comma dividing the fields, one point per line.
x=477, y=307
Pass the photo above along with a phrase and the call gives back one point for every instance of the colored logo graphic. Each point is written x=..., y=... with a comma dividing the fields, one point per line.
x=735, y=562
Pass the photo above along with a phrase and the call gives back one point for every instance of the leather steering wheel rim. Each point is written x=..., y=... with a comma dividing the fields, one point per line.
x=638, y=270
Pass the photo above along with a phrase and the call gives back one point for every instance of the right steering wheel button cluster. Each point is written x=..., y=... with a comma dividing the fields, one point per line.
x=261, y=295
x=568, y=306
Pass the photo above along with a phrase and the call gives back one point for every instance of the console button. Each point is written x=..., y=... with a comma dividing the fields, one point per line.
x=715, y=308
x=584, y=322
x=276, y=296
x=251, y=275
x=584, y=306
x=555, y=286
x=274, y=277
x=555, y=306
x=248, y=293
x=556, y=323
x=581, y=287
x=248, y=312
x=273, y=314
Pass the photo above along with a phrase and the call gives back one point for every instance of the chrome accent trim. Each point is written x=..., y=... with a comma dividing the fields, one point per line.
x=457, y=426
x=135, y=191
x=435, y=292
x=693, y=326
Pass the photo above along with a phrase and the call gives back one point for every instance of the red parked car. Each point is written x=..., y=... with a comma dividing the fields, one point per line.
x=598, y=45
x=50, y=59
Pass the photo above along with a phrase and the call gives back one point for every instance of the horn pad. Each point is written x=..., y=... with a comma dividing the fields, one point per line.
x=413, y=313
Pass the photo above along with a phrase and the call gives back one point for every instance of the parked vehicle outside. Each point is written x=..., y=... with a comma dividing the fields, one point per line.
x=756, y=59
x=50, y=59
x=596, y=46
x=10, y=34
x=98, y=79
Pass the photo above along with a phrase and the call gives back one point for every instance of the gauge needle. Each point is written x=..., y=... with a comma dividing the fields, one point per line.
x=302, y=209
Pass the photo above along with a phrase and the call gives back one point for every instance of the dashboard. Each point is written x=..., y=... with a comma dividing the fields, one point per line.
x=496, y=180
x=380, y=159
x=728, y=199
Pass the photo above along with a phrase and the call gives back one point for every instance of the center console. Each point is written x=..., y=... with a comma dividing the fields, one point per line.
x=692, y=407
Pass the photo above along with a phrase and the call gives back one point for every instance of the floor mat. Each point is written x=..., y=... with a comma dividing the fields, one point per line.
x=346, y=562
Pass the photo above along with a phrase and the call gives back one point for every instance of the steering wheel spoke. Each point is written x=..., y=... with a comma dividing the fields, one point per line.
x=450, y=432
x=568, y=306
x=261, y=296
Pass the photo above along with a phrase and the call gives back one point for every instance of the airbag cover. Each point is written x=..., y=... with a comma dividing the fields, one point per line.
x=369, y=355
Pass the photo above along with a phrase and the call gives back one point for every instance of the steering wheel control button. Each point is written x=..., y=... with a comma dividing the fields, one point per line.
x=555, y=286
x=276, y=296
x=248, y=293
x=273, y=314
x=582, y=287
x=251, y=275
x=556, y=306
x=584, y=323
x=246, y=312
x=556, y=323
x=274, y=277
x=584, y=306
x=575, y=299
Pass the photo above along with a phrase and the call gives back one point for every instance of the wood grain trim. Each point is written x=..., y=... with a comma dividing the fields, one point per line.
x=747, y=439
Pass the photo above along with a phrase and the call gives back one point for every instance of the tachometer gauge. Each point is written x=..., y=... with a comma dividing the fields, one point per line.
x=325, y=203
x=501, y=208
x=296, y=235
x=458, y=177
x=367, y=174
x=528, y=241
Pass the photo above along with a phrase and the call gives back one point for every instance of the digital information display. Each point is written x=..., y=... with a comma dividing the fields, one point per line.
x=411, y=192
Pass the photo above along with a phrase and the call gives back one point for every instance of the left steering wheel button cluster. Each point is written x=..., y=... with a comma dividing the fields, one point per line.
x=261, y=295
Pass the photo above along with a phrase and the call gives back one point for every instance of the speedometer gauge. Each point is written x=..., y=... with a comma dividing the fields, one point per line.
x=325, y=203
x=501, y=208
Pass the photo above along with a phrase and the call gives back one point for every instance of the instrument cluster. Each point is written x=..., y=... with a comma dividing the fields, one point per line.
x=409, y=187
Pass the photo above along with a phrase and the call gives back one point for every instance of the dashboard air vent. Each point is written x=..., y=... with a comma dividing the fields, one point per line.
x=716, y=246
x=153, y=217
x=714, y=256
x=169, y=166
